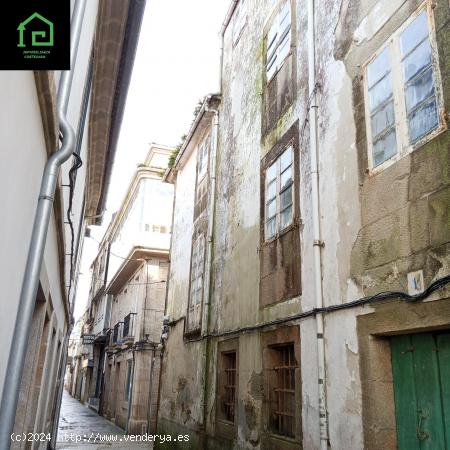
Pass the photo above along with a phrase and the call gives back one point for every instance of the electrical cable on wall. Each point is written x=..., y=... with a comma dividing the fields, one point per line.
x=369, y=300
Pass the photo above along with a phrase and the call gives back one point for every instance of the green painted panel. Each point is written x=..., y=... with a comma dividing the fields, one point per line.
x=404, y=391
x=443, y=344
x=430, y=431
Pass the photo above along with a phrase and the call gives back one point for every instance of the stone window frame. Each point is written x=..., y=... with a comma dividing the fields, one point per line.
x=290, y=139
x=270, y=340
x=223, y=427
x=404, y=147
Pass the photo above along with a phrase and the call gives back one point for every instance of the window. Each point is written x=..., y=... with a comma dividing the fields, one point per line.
x=203, y=153
x=197, y=267
x=419, y=78
x=401, y=97
x=283, y=409
x=278, y=41
x=239, y=20
x=229, y=398
x=279, y=194
x=227, y=388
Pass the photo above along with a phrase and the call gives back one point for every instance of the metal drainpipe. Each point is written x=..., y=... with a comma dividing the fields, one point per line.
x=149, y=401
x=206, y=309
x=317, y=240
x=84, y=109
x=19, y=343
x=130, y=396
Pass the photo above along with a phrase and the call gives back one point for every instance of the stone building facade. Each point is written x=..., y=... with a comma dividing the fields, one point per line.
x=307, y=296
x=126, y=301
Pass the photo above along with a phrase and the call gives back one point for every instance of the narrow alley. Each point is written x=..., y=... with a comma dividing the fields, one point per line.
x=81, y=428
x=225, y=225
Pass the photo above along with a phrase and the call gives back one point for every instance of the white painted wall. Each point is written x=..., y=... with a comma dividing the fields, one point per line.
x=22, y=159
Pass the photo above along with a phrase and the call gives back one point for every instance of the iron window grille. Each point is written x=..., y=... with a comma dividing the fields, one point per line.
x=284, y=412
x=230, y=369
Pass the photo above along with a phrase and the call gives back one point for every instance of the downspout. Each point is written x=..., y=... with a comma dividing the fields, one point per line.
x=149, y=401
x=130, y=396
x=211, y=214
x=317, y=238
x=36, y=249
x=79, y=140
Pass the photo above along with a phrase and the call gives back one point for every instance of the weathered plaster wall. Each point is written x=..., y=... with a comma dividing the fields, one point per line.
x=182, y=239
x=375, y=228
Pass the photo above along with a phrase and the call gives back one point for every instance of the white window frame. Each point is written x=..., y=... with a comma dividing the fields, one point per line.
x=277, y=198
x=404, y=146
x=239, y=20
x=197, y=259
x=276, y=23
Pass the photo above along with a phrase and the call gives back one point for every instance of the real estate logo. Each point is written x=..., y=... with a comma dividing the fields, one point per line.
x=36, y=35
x=42, y=38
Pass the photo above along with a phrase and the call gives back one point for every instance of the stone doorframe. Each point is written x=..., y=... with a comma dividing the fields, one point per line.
x=388, y=319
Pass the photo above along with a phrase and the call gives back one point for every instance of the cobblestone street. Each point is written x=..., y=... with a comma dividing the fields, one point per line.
x=81, y=428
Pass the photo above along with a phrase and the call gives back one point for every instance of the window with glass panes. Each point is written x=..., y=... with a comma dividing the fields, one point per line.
x=203, y=154
x=239, y=20
x=197, y=267
x=278, y=41
x=402, y=102
x=279, y=194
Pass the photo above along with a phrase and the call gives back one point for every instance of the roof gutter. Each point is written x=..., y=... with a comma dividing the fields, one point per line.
x=30, y=283
x=228, y=17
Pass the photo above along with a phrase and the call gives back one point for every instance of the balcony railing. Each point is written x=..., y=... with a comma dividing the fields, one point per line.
x=117, y=333
x=128, y=325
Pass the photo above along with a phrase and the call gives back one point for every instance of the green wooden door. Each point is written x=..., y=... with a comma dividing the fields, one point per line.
x=421, y=371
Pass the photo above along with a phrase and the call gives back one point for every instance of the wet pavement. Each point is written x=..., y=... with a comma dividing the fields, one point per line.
x=81, y=428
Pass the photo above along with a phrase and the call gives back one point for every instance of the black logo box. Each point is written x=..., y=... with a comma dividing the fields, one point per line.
x=19, y=23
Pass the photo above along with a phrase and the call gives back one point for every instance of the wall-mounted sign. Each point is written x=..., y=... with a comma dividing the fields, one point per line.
x=88, y=339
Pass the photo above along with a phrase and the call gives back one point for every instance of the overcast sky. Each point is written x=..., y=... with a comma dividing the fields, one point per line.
x=177, y=63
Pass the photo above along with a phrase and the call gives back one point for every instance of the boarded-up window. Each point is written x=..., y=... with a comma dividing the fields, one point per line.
x=402, y=101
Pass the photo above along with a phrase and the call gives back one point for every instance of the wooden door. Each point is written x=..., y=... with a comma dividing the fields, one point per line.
x=421, y=373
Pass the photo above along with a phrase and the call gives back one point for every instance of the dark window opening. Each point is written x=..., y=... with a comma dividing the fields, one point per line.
x=229, y=362
x=284, y=405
